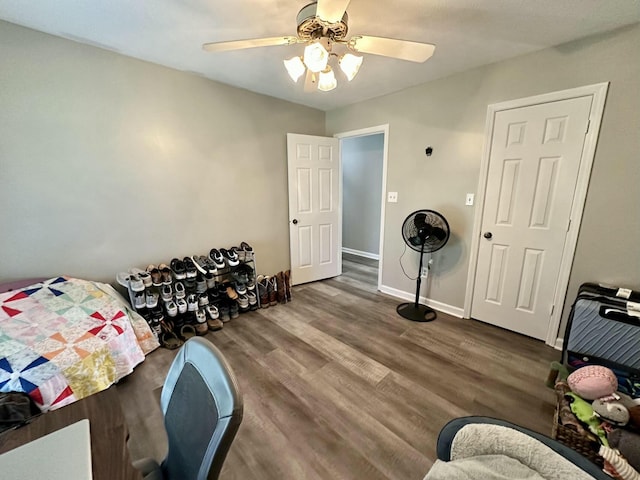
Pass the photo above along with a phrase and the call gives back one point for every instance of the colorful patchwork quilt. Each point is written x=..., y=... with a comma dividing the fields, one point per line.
x=65, y=338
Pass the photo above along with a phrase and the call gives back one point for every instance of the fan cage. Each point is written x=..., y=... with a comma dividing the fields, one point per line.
x=432, y=243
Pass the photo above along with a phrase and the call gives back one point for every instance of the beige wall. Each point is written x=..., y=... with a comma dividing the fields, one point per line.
x=449, y=114
x=108, y=162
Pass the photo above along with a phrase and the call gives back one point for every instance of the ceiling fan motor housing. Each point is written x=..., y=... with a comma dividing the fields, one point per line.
x=312, y=27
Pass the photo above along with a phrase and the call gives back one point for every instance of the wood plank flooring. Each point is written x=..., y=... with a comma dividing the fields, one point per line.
x=337, y=385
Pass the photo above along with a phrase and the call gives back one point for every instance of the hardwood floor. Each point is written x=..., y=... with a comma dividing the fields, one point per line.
x=337, y=385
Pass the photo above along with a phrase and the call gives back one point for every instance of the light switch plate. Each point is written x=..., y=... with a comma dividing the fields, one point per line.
x=469, y=200
x=392, y=197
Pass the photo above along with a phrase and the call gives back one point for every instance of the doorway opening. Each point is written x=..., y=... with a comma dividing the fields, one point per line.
x=363, y=178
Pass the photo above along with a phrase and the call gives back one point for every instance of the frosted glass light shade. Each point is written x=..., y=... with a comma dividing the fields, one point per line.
x=295, y=68
x=350, y=64
x=315, y=57
x=327, y=80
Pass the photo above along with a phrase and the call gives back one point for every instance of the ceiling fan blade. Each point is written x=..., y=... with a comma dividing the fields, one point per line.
x=391, y=47
x=331, y=10
x=310, y=82
x=251, y=43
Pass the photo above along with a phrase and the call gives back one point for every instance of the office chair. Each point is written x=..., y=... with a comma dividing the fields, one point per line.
x=202, y=410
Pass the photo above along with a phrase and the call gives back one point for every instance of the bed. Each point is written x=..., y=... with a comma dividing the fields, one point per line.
x=64, y=338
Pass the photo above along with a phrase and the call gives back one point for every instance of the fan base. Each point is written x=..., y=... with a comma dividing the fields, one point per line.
x=421, y=313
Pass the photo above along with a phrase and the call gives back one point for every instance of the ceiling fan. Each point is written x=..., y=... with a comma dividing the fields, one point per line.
x=322, y=25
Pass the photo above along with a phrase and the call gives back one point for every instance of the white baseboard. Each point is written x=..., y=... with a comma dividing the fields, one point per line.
x=559, y=343
x=360, y=253
x=441, y=307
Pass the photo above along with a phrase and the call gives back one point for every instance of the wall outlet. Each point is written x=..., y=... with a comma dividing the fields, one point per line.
x=424, y=272
x=392, y=197
x=469, y=199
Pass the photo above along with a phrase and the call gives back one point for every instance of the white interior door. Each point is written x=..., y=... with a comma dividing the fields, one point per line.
x=315, y=229
x=533, y=169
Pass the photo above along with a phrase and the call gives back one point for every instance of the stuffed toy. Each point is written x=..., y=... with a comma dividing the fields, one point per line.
x=586, y=415
x=613, y=412
x=628, y=444
x=621, y=466
x=593, y=381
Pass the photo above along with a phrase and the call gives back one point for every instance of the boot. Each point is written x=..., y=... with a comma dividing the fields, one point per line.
x=287, y=285
x=282, y=298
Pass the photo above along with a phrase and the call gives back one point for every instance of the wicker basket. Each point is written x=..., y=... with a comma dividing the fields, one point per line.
x=576, y=441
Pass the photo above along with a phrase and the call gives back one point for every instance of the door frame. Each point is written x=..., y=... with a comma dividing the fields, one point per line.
x=598, y=92
x=363, y=132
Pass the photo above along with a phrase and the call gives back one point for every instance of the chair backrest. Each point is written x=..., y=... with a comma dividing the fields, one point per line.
x=202, y=410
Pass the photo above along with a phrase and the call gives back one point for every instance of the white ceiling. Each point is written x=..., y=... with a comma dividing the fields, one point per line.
x=467, y=34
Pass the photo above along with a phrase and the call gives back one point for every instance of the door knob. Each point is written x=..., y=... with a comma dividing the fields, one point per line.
x=488, y=235
x=294, y=221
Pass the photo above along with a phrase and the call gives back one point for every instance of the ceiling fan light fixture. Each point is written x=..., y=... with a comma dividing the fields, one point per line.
x=350, y=64
x=315, y=57
x=295, y=68
x=327, y=80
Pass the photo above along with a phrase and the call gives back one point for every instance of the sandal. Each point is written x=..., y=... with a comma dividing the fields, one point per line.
x=187, y=331
x=168, y=338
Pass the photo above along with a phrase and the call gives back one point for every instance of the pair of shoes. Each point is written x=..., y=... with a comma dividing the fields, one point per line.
x=245, y=252
x=192, y=302
x=156, y=276
x=142, y=275
x=166, y=293
x=243, y=273
x=224, y=311
x=204, y=264
x=179, y=289
x=216, y=257
x=230, y=256
x=181, y=303
x=243, y=302
x=130, y=281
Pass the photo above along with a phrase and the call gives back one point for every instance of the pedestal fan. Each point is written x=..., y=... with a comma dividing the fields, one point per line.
x=424, y=231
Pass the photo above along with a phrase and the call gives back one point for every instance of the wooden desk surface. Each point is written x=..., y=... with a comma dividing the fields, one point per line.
x=109, y=453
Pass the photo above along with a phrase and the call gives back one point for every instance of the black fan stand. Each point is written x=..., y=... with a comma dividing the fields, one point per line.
x=415, y=311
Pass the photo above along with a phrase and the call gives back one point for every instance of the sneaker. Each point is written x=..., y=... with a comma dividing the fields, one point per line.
x=210, y=264
x=243, y=302
x=212, y=311
x=180, y=291
x=151, y=298
x=156, y=276
x=253, y=300
x=247, y=251
x=167, y=293
x=192, y=302
x=178, y=269
x=230, y=256
x=190, y=267
x=210, y=279
x=203, y=299
x=217, y=258
x=139, y=300
x=181, y=303
x=224, y=312
x=240, y=288
x=172, y=308
x=233, y=310
x=199, y=264
x=201, y=322
x=143, y=275
x=201, y=284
